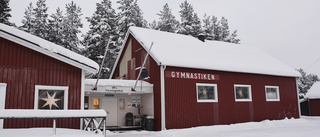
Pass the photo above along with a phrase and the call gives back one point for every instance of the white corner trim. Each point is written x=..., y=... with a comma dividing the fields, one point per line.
x=3, y=90
x=299, y=109
x=163, y=103
x=83, y=75
x=38, y=87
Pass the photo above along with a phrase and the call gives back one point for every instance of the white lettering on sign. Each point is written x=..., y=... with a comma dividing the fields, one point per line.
x=190, y=75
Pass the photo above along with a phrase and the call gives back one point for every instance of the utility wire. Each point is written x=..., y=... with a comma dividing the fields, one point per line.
x=313, y=63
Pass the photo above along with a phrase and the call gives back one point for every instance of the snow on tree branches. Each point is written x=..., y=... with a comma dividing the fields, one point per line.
x=103, y=26
x=5, y=12
x=305, y=82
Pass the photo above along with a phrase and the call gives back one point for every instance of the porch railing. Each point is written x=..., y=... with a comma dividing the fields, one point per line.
x=89, y=117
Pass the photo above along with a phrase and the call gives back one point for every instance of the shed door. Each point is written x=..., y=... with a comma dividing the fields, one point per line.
x=3, y=87
x=110, y=106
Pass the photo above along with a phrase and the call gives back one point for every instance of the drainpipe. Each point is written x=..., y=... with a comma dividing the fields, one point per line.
x=163, y=103
x=298, y=98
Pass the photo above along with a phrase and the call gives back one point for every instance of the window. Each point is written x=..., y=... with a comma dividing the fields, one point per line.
x=207, y=92
x=242, y=92
x=51, y=97
x=96, y=103
x=272, y=93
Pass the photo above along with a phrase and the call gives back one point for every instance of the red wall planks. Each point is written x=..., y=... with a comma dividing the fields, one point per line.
x=22, y=68
x=314, y=107
x=183, y=110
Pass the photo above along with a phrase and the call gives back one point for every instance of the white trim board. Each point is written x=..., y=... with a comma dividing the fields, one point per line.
x=3, y=87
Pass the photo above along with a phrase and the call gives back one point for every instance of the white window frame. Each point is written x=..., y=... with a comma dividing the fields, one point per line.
x=278, y=94
x=42, y=87
x=215, y=87
x=242, y=100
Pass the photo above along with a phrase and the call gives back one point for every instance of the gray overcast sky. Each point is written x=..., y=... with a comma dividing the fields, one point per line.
x=286, y=29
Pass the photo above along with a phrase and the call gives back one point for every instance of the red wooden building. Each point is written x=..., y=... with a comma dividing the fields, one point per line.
x=208, y=83
x=310, y=105
x=33, y=70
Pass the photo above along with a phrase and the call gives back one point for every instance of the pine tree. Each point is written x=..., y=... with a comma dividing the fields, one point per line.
x=218, y=30
x=153, y=25
x=5, y=12
x=102, y=27
x=56, y=28
x=305, y=82
x=167, y=20
x=215, y=23
x=41, y=17
x=223, y=32
x=196, y=26
x=223, y=29
x=209, y=25
x=186, y=14
x=72, y=23
x=28, y=22
x=233, y=39
x=130, y=15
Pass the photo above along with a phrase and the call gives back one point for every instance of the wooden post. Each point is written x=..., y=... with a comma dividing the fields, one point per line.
x=92, y=124
x=104, y=127
x=54, y=127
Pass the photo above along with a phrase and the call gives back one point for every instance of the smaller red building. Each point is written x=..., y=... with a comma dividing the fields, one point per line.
x=310, y=105
x=199, y=83
x=33, y=72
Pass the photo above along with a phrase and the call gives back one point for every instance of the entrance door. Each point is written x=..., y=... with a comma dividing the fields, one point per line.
x=110, y=106
x=2, y=100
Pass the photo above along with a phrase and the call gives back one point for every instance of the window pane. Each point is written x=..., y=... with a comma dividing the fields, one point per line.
x=206, y=93
x=242, y=93
x=51, y=99
x=272, y=93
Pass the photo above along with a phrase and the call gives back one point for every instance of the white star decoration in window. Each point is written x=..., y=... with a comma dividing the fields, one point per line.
x=50, y=100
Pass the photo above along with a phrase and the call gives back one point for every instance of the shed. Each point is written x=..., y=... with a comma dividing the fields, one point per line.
x=198, y=83
x=34, y=72
x=310, y=105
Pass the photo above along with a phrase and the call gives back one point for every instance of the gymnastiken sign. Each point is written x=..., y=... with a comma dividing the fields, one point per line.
x=191, y=75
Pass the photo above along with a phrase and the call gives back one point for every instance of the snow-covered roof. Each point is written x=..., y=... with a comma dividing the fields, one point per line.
x=314, y=91
x=48, y=48
x=186, y=51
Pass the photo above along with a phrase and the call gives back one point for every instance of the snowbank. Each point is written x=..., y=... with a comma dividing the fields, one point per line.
x=186, y=51
x=306, y=126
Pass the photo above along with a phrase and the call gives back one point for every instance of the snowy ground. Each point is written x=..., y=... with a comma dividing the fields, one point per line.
x=306, y=126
